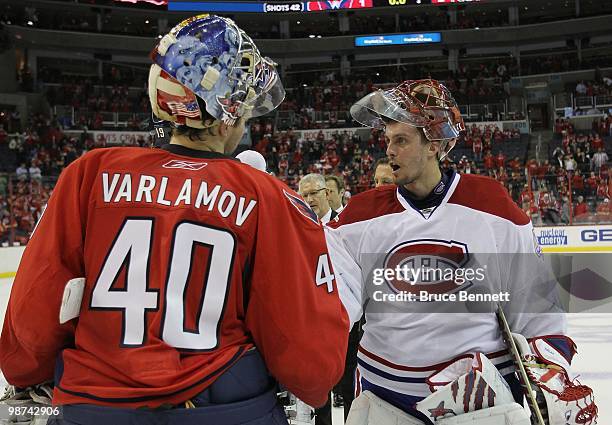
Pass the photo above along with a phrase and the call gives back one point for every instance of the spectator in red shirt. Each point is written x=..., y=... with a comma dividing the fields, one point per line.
x=542, y=169
x=581, y=207
x=489, y=161
x=515, y=164
x=578, y=183
x=297, y=158
x=603, y=210
x=603, y=190
x=262, y=145
x=334, y=159
x=364, y=183
x=591, y=184
x=532, y=167
x=366, y=161
x=526, y=194
x=531, y=210
x=501, y=176
x=545, y=201
x=500, y=160
x=477, y=148
x=597, y=143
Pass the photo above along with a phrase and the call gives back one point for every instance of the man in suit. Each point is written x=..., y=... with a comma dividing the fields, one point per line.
x=335, y=186
x=313, y=189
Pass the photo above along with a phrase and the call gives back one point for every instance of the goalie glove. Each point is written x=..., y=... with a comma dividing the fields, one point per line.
x=40, y=394
x=15, y=395
x=26, y=397
x=562, y=399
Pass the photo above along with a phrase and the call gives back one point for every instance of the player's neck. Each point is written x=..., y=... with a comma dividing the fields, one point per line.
x=211, y=145
x=424, y=185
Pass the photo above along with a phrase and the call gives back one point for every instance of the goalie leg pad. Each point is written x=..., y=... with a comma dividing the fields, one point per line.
x=468, y=384
x=369, y=409
x=505, y=414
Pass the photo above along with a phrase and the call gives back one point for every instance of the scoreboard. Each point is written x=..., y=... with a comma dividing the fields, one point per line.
x=268, y=6
x=388, y=3
x=273, y=6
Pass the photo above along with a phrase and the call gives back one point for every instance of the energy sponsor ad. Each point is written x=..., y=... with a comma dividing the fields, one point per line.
x=574, y=238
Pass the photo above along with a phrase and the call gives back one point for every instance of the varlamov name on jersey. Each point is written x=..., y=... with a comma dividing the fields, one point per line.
x=124, y=187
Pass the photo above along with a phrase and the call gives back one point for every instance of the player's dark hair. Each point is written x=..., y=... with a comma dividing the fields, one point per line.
x=194, y=134
x=339, y=182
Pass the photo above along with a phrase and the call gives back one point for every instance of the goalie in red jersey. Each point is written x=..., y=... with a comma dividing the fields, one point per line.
x=204, y=281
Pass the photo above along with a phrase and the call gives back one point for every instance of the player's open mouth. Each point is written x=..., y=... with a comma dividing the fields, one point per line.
x=395, y=167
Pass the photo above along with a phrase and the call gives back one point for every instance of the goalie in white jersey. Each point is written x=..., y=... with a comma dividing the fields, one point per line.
x=431, y=223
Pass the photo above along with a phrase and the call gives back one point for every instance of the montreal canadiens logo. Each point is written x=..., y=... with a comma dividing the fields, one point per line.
x=426, y=265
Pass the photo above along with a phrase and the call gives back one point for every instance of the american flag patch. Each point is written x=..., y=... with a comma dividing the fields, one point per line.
x=190, y=110
x=177, y=100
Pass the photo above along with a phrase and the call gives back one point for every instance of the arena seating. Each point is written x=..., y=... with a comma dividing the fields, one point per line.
x=31, y=158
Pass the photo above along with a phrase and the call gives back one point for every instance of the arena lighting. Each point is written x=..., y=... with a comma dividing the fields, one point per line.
x=395, y=39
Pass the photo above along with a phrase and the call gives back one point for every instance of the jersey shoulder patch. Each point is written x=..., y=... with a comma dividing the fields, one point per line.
x=368, y=205
x=302, y=207
x=484, y=194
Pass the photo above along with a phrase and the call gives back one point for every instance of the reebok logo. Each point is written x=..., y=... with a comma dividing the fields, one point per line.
x=185, y=165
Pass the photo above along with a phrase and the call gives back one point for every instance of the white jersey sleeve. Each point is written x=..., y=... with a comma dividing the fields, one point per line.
x=535, y=307
x=348, y=274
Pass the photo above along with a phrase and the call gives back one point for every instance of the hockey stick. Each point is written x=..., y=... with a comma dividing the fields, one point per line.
x=522, y=373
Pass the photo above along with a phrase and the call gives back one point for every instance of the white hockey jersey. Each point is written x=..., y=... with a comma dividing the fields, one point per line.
x=476, y=226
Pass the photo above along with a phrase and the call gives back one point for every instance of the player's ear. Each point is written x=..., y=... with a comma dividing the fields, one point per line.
x=433, y=148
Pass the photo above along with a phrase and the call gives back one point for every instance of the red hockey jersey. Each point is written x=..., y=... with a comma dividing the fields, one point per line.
x=190, y=259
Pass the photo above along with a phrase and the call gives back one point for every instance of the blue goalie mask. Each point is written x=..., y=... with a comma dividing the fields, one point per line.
x=208, y=62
